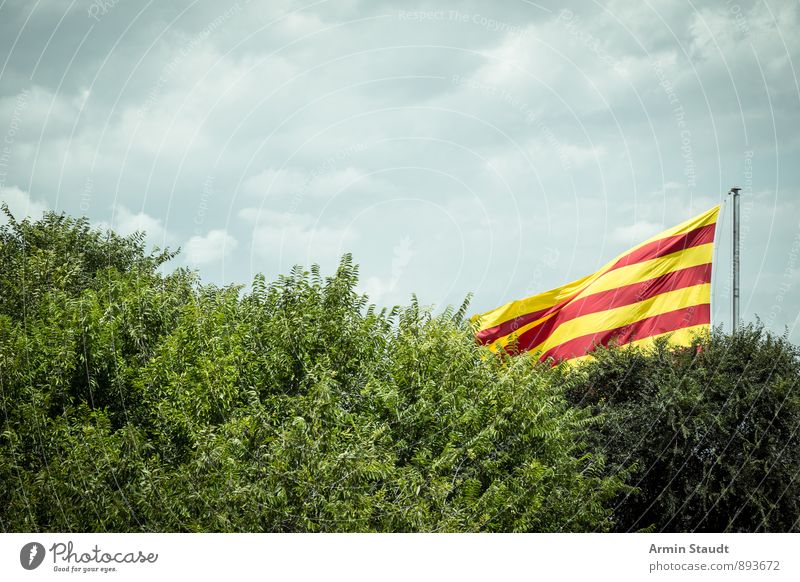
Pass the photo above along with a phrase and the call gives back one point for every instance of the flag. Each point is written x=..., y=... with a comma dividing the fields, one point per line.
x=659, y=287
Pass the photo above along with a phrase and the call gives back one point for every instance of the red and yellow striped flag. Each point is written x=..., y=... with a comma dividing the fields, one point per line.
x=659, y=287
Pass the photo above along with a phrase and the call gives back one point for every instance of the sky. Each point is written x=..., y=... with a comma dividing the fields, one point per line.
x=499, y=149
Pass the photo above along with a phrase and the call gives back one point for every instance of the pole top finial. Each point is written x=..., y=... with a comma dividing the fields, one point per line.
x=735, y=190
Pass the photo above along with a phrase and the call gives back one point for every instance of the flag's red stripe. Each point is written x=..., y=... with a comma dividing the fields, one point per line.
x=618, y=297
x=653, y=250
x=663, y=323
x=492, y=334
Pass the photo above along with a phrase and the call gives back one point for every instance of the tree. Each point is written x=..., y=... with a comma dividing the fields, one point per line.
x=134, y=400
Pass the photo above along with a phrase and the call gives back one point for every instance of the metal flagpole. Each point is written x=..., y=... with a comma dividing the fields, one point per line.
x=735, y=193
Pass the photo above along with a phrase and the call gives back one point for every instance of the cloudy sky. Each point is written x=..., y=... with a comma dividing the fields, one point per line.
x=452, y=147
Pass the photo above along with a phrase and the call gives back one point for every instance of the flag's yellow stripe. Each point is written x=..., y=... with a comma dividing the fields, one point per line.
x=614, y=318
x=679, y=337
x=638, y=272
x=683, y=336
x=530, y=304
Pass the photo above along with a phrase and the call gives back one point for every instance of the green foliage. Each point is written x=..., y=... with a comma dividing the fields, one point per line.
x=134, y=399
x=712, y=430
x=138, y=401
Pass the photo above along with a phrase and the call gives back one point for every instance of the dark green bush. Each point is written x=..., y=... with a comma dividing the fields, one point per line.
x=714, y=432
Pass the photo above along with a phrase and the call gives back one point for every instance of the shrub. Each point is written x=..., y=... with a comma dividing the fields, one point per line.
x=138, y=401
x=713, y=431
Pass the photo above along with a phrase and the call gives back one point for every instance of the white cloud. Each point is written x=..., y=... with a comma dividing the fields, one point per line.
x=21, y=204
x=578, y=156
x=125, y=222
x=215, y=245
x=323, y=182
x=283, y=182
x=378, y=288
x=672, y=186
x=338, y=181
x=636, y=232
x=294, y=238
